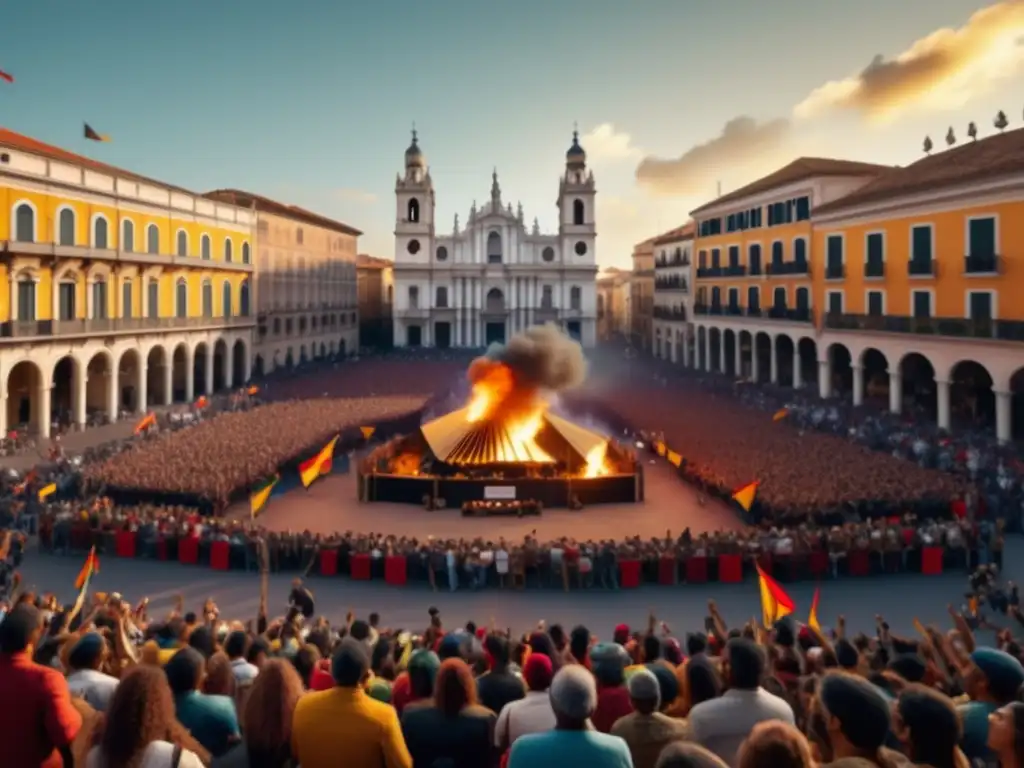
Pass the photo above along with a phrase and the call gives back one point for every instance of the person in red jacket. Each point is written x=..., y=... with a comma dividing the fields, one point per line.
x=36, y=695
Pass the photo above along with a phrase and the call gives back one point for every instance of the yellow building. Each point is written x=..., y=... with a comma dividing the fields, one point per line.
x=755, y=268
x=641, y=295
x=375, y=287
x=305, y=283
x=613, y=304
x=922, y=286
x=118, y=292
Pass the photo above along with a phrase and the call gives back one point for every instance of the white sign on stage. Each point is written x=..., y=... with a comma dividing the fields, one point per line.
x=500, y=492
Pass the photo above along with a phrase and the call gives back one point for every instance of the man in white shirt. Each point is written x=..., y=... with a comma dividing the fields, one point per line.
x=235, y=647
x=532, y=714
x=86, y=681
x=720, y=725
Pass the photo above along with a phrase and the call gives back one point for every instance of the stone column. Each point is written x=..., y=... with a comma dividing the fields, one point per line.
x=3, y=409
x=825, y=379
x=1004, y=425
x=168, y=371
x=798, y=374
x=113, y=399
x=208, y=383
x=43, y=417
x=738, y=352
x=686, y=347
x=229, y=367
x=858, y=384
x=141, y=395
x=707, y=353
x=190, y=378
x=79, y=396
x=774, y=372
x=895, y=392
x=942, y=398
x=755, y=364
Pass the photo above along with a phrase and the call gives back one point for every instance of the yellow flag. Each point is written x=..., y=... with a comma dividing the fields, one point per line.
x=780, y=415
x=812, y=617
x=659, y=448
x=775, y=603
x=745, y=496
x=49, y=490
x=674, y=459
x=367, y=432
x=258, y=498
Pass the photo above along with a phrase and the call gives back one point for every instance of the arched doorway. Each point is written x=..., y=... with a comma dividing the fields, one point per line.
x=156, y=377
x=220, y=359
x=763, y=351
x=181, y=373
x=918, y=378
x=64, y=395
x=100, y=387
x=807, y=350
x=323, y=350
x=200, y=361
x=129, y=382
x=302, y=355
x=289, y=359
x=729, y=340
x=841, y=365
x=875, y=376
x=257, y=367
x=342, y=351
x=702, y=349
x=1017, y=404
x=715, y=348
x=238, y=364
x=24, y=383
x=972, y=403
x=746, y=342
x=784, y=352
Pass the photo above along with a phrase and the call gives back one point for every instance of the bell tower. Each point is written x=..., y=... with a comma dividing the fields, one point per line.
x=414, y=208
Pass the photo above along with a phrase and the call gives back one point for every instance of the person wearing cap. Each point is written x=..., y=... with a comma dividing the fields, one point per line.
x=573, y=741
x=647, y=730
x=86, y=681
x=38, y=722
x=722, y=724
x=608, y=662
x=532, y=714
x=993, y=680
x=344, y=724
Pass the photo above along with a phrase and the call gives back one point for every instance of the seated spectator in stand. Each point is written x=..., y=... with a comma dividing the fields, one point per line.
x=608, y=662
x=722, y=724
x=139, y=729
x=647, y=731
x=776, y=745
x=994, y=680
x=532, y=714
x=854, y=717
x=416, y=685
x=236, y=646
x=927, y=724
x=345, y=724
x=85, y=680
x=498, y=686
x=455, y=730
x=211, y=719
x=573, y=741
x=37, y=721
x=267, y=720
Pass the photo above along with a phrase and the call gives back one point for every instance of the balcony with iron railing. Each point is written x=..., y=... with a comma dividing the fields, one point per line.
x=874, y=268
x=782, y=268
x=671, y=261
x=798, y=315
x=671, y=283
x=733, y=270
x=981, y=264
x=22, y=330
x=950, y=327
x=835, y=271
x=11, y=248
x=921, y=268
x=676, y=314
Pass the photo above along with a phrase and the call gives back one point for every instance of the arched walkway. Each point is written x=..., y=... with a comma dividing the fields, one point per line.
x=64, y=397
x=323, y=350
x=729, y=342
x=257, y=367
x=715, y=349
x=918, y=379
x=874, y=377
x=220, y=361
x=841, y=367
x=746, y=351
x=289, y=359
x=971, y=399
x=158, y=378
x=181, y=376
x=341, y=348
x=200, y=366
x=702, y=349
x=784, y=353
x=26, y=409
x=238, y=366
x=807, y=353
x=762, y=360
x=1017, y=405
x=101, y=387
x=129, y=382
x=302, y=355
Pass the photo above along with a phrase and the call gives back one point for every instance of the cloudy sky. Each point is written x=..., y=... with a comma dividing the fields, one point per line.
x=311, y=102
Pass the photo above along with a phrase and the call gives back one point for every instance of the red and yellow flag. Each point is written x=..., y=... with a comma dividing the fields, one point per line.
x=312, y=468
x=253, y=390
x=745, y=496
x=92, y=135
x=91, y=567
x=780, y=414
x=812, y=617
x=202, y=402
x=367, y=432
x=145, y=423
x=6, y=76
x=775, y=603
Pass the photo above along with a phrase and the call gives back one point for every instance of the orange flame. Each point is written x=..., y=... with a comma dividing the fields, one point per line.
x=494, y=390
x=596, y=465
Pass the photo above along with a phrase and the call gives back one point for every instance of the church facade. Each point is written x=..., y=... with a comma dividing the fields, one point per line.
x=496, y=276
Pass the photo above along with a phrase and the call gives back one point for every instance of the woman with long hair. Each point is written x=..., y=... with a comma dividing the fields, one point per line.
x=927, y=725
x=454, y=729
x=139, y=729
x=1006, y=735
x=267, y=720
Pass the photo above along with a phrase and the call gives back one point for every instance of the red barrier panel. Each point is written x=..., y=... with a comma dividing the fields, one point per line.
x=668, y=571
x=697, y=570
x=328, y=562
x=860, y=563
x=188, y=550
x=931, y=560
x=220, y=555
x=819, y=564
x=124, y=544
x=395, y=567
x=730, y=569
x=161, y=548
x=361, y=567
x=629, y=574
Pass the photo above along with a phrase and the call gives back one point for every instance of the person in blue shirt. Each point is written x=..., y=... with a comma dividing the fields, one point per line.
x=994, y=679
x=573, y=741
x=211, y=719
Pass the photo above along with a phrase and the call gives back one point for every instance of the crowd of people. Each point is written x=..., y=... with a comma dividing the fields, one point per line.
x=104, y=684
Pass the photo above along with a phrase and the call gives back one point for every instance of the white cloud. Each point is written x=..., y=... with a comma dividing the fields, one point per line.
x=604, y=143
x=357, y=196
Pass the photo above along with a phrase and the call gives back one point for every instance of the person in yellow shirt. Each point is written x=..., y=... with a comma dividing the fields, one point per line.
x=345, y=725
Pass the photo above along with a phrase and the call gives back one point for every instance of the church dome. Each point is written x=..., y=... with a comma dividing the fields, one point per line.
x=576, y=153
x=414, y=155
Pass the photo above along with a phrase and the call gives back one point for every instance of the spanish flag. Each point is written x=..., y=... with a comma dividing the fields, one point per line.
x=91, y=135
x=745, y=496
x=91, y=567
x=780, y=414
x=812, y=617
x=145, y=423
x=6, y=77
x=261, y=495
x=775, y=603
x=46, y=491
x=311, y=469
x=202, y=402
x=367, y=432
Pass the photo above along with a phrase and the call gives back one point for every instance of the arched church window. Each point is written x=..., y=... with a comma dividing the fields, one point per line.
x=578, y=212
x=414, y=211
x=494, y=248
x=442, y=253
